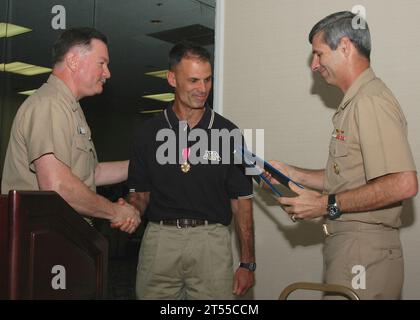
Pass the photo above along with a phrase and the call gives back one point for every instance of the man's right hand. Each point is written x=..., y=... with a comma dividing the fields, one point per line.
x=127, y=217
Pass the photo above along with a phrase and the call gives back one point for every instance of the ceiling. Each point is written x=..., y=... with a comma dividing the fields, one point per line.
x=140, y=34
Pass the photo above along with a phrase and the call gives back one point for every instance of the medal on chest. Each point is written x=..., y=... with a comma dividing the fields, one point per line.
x=185, y=166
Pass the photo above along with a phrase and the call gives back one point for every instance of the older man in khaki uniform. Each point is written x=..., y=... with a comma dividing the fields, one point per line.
x=50, y=145
x=48, y=122
x=370, y=168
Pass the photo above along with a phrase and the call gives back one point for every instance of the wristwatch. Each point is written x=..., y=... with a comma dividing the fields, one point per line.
x=333, y=211
x=251, y=266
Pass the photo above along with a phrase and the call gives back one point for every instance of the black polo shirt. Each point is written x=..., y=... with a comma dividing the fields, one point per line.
x=205, y=190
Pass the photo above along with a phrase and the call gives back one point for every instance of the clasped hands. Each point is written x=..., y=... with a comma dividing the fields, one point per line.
x=127, y=218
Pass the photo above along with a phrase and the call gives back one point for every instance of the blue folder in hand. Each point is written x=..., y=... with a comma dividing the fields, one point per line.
x=254, y=162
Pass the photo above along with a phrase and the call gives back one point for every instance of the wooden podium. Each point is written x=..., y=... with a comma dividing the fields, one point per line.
x=48, y=251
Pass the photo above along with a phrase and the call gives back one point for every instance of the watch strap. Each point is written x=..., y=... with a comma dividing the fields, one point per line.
x=251, y=266
x=331, y=199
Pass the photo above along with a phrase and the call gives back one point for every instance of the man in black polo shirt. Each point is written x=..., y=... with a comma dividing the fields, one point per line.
x=185, y=183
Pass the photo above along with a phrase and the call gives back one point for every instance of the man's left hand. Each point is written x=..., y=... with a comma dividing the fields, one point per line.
x=244, y=279
x=308, y=204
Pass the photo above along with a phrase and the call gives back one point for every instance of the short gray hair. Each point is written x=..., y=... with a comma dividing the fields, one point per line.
x=78, y=36
x=341, y=24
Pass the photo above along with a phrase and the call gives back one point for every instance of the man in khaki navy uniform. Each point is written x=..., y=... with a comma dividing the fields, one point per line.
x=370, y=168
x=50, y=145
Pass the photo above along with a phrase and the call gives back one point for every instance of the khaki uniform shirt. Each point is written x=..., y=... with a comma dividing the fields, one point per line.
x=49, y=121
x=369, y=140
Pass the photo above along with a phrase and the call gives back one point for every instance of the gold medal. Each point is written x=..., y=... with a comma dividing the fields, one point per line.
x=185, y=167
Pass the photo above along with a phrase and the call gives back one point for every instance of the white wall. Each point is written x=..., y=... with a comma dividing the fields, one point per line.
x=267, y=84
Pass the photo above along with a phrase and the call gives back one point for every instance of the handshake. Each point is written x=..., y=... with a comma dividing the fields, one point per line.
x=126, y=217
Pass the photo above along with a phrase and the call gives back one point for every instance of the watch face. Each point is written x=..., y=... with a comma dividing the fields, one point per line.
x=250, y=266
x=333, y=212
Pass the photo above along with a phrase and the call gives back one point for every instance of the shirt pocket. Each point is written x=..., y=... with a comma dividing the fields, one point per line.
x=338, y=149
x=338, y=165
x=82, y=158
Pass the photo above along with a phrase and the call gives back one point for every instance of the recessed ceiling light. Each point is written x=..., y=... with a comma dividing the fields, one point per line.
x=28, y=92
x=159, y=74
x=10, y=30
x=166, y=97
x=22, y=68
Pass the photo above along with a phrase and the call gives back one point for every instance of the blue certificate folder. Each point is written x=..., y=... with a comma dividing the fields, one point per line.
x=250, y=160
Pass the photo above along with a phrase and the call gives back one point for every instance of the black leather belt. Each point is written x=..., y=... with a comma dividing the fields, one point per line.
x=184, y=223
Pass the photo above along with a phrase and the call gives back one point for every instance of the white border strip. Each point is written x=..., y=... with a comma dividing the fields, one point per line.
x=219, y=47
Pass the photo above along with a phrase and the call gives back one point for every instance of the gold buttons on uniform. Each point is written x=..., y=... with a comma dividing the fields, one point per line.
x=336, y=168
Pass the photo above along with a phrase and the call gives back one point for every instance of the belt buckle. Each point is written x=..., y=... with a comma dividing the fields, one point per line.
x=177, y=224
x=325, y=229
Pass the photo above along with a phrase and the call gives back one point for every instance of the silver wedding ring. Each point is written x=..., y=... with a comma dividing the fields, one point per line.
x=293, y=217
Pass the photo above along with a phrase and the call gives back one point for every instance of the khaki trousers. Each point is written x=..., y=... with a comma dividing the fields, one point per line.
x=365, y=257
x=185, y=263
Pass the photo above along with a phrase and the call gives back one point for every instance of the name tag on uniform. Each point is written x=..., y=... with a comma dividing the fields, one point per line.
x=81, y=130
